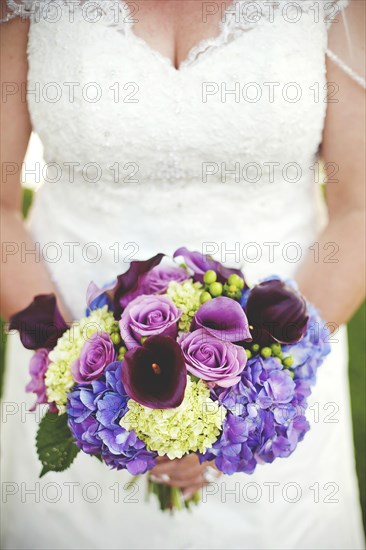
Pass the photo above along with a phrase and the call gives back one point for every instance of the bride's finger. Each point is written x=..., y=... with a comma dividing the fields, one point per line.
x=179, y=477
x=185, y=483
x=169, y=466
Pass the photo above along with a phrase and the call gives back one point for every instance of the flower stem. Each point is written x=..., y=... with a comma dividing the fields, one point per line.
x=171, y=498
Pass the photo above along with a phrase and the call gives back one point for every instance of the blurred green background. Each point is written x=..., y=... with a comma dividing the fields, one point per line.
x=357, y=374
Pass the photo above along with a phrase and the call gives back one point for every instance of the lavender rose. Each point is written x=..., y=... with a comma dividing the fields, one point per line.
x=148, y=315
x=159, y=277
x=97, y=353
x=37, y=369
x=212, y=359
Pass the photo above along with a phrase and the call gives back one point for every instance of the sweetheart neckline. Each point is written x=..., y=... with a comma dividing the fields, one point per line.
x=198, y=50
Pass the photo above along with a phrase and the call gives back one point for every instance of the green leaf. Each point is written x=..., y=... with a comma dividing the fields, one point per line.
x=55, y=444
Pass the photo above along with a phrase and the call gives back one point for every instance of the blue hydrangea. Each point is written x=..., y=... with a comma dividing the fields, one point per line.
x=94, y=412
x=102, y=300
x=267, y=407
x=309, y=353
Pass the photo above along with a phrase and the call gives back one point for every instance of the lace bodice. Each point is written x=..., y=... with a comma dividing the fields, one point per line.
x=222, y=150
x=242, y=15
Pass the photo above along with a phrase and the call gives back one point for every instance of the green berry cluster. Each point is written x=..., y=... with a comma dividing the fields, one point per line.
x=275, y=350
x=213, y=289
x=121, y=353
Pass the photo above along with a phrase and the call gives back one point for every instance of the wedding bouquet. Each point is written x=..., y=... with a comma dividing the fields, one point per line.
x=173, y=359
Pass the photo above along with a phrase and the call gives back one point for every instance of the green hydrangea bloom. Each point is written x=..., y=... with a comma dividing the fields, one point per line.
x=193, y=426
x=186, y=297
x=58, y=376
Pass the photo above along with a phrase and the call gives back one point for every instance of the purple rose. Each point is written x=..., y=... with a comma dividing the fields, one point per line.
x=223, y=318
x=212, y=359
x=148, y=315
x=97, y=353
x=37, y=369
x=157, y=279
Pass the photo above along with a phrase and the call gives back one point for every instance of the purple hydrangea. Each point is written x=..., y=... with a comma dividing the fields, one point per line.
x=309, y=353
x=37, y=369
x=266, y=417
x=94, y=413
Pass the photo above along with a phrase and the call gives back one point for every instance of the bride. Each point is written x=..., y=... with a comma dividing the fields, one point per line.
x=184, y=122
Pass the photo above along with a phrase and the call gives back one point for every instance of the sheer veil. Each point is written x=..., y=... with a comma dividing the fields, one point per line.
x=346, y=41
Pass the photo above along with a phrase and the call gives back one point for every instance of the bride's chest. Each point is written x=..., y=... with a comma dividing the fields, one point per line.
x=257, y=91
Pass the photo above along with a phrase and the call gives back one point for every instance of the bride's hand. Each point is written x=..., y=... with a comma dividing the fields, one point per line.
x=186, y=473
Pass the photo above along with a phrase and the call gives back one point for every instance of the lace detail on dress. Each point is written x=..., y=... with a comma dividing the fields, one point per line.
x=244, y=15
x=38, y=9
x=240, y=16
x=237, y=18
x=20, y=8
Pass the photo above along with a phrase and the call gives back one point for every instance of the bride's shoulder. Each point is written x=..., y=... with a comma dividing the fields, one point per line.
x=13, y=40
x=32, y=9
x=11, y=9
x=50, y=10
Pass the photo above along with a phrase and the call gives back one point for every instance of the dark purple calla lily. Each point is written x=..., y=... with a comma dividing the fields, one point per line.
x=199, y=264
x=40, y=324
x=277, y=313
x=223, y=318
x=128, y=286
x=155, y=374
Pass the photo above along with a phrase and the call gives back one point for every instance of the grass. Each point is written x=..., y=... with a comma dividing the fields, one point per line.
x=357, y=376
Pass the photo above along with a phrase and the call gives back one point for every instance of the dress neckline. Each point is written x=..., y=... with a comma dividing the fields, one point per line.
x=196, y=51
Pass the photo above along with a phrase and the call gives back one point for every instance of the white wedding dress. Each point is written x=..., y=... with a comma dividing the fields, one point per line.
x=176, y=162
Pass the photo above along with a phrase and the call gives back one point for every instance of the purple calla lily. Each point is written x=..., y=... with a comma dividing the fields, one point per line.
x=128, y=285
x=223, y=318
x=155, y=374
x=40, y=324
x=277, y=313
x=199, y=264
